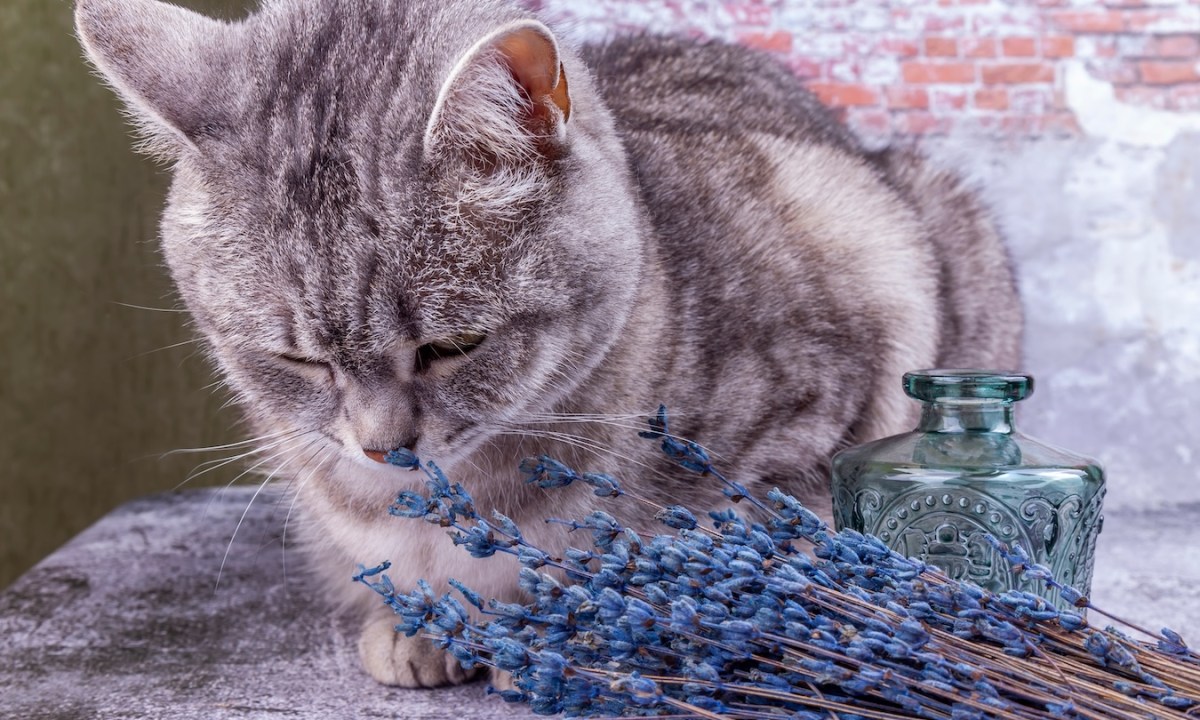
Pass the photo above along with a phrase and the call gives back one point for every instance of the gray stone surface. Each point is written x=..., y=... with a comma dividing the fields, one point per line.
x=127, y=620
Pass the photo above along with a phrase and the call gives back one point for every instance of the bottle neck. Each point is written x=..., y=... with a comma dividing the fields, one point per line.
x=960, y=415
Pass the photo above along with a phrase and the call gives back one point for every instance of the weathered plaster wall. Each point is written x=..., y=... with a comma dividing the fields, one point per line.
x=1106, y=237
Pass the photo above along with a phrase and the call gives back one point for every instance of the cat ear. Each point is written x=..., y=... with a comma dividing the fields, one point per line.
x=161, y=60
x=507, y=95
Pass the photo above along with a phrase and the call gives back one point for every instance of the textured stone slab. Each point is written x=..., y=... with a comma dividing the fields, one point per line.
x=126, y=621
x=1148, y=569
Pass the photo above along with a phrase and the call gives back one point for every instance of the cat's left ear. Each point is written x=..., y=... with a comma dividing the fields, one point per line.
x=507, y=96
x=170, y=66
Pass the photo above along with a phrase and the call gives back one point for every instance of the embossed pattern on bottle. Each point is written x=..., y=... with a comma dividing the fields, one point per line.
x=935, y=494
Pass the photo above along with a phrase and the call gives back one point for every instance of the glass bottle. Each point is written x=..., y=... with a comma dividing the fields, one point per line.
x=934, y=493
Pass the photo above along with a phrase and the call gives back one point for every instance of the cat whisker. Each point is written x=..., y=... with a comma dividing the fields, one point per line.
x=218, y=463
x=216, y=384
x=613, y=420
x=248, y=471
x=332, y=455
x=229, y=446
x=152, y=309
x=582, y=443
x=580, y=421
x=233, y=399
x=246, y=512
x=165, y=347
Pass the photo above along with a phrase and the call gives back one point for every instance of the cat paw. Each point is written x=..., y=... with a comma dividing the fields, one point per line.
x=408, y=662
x=500, y=680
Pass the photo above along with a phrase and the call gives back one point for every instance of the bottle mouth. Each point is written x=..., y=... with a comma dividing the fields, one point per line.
x=967, y=385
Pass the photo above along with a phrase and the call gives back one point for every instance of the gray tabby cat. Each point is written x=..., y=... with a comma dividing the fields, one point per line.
x=432, y=224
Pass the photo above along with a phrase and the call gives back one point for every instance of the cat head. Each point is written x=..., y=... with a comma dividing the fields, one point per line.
x=399, y=223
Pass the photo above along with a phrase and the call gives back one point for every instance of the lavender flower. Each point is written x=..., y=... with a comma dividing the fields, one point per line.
x=736, y=622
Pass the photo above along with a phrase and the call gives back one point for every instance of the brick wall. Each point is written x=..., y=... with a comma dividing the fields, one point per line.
x=931, y=67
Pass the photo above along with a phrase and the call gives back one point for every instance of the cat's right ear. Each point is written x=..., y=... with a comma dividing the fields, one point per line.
x=164, y=62
x=506, y=98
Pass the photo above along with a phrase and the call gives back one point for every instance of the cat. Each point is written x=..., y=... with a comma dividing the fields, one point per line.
x=436, y=225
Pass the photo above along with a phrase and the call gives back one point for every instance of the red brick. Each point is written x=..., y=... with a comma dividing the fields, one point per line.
x=941, y=47
x=928, y=72
x=1060, y=124
x=1143, y=96
x=1119, y=72
x=1169, y=73
x=1141, y=20
x=1181, y=46
x=1103, y=47
x=1017, y=73
x=745, y=14
x=991, y=98
x=846, y=71
x=1089, y=21
x=943, y=22
x=981, y=124
x=778, y=41
x=1022, y=125
x=1019, y=46
x=899, y=47
x=922, y=123
x=1139, y=45
x=948, y=101
x=875, y=123
x=907, y=98
x=807, y=68
x=1028, y=100
x=1058, y=46
x=845, y=94
x=1185, y=98
x=979, y=47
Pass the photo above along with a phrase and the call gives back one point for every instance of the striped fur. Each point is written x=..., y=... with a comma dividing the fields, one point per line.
x=354, y=179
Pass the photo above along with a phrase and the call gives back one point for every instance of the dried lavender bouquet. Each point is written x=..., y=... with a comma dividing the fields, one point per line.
x=741, y=621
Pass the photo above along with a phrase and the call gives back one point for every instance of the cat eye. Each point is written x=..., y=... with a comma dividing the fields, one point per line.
x=456, y=346
x=306, y=365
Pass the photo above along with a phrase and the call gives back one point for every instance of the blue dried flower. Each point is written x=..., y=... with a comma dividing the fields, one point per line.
x=546, y=472
x=677, y=517
x=401, y=457
x=742, y=623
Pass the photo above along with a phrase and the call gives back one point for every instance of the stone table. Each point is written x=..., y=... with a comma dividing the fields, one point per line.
x=128, y=621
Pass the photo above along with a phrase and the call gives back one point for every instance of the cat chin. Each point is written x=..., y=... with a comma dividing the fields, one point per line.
x=336, y=545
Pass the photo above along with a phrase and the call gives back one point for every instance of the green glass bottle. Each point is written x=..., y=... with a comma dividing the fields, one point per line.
x=965, y=472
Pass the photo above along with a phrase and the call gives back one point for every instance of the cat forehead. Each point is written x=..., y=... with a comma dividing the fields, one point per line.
x=338, y=97
x=398, y=52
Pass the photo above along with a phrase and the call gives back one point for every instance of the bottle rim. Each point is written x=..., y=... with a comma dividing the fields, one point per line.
x=942, y=383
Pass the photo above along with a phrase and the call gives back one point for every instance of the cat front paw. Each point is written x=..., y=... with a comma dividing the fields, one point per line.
x=501, y=680
x=408, y=662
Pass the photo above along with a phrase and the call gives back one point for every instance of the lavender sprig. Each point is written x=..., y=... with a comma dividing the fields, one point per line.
x=736, y=622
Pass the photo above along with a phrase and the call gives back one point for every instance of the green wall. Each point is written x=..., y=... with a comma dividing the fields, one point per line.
x=88, y=400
